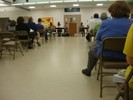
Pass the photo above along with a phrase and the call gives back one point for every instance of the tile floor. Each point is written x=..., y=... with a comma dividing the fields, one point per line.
x=51, y=72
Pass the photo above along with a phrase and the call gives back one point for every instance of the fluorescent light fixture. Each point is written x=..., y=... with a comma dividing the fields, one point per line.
x=52, y=6
x=29, y=3
x=75, y=5
x=17, y=4
x=100, y=0
x=70, y=1
x=3, y=5
x=99, y=4
x=56, y=1
x=84, y=0
x=2, y=10
x=31, y=7
x=43, y=2
x=1, y=1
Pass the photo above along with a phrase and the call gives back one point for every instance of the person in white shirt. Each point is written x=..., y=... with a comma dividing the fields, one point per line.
x=93, y=22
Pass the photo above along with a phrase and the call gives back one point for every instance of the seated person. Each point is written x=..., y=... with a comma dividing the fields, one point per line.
x=12, y=26
x=21, y=26
x=33, y=27
x=103, y=17
x=110, y=28
x=52, y=28
x=59, y=30
x=41, y=27
x=129, y=53
x=81, y=29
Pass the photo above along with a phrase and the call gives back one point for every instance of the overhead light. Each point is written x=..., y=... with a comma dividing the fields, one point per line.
x=31, y=7
x=1, y=1
x=100, y=0
x=3, y=5
x=42, y=2
x=17, y=4
x=75, y=5
x=56, y=1
x=2, y=10
x=29, y=3
x=52, y=6
x=70, y=0
x=100, y=4
x=84, y=0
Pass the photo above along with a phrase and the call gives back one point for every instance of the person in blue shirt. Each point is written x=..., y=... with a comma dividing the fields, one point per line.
x=33, y=30
x=115, y=27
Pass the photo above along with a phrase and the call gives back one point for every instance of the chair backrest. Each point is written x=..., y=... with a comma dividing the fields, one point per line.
x=41, y=31
x=113, y=43
x=9, y=35
x=21, y=33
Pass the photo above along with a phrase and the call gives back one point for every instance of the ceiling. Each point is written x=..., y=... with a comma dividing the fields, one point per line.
x=45, y=4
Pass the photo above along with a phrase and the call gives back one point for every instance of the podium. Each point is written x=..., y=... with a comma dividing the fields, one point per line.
x=72, y=29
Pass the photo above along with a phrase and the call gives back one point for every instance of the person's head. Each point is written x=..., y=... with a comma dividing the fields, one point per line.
x=20, y=20
x=30, y=19
x=13, y=23
x=104, y=16
x=119, y=9
x=96, y=15
x=39, y=20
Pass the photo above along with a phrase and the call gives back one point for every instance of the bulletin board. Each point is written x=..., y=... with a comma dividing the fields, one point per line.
x=46, y=21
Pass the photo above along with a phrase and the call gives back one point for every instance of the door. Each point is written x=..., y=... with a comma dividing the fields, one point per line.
x=73, y=19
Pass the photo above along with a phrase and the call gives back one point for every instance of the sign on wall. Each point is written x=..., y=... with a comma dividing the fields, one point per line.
x=71, y=9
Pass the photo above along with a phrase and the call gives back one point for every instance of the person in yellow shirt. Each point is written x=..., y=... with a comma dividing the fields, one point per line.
x=128, y=50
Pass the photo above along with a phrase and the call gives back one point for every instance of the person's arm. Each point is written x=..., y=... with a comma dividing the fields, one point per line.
x=129, y=46
x=129, y=60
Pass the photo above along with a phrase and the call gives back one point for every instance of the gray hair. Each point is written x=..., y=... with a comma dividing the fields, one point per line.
x=103, y=16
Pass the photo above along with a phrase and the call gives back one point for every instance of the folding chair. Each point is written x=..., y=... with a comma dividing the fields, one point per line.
x=41, y=33
x=23, y=37
x=11, y=44
x=111, y=44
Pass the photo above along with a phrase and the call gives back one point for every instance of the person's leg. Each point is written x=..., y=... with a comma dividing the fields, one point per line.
x=46, y=36
x=92, y=60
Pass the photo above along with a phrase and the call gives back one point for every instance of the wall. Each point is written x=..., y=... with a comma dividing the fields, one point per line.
x=57, y=14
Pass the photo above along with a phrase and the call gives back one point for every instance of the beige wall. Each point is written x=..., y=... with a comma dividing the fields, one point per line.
x=57, y=14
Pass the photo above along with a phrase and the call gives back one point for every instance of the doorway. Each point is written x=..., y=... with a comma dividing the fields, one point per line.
x=74, y=19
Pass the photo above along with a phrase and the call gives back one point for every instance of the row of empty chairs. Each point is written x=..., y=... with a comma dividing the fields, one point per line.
x=13, y=42
x=9, y=42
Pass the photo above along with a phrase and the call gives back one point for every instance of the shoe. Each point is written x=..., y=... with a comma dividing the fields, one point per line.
x=30, y=47
x=85, y=72
x=39, y=44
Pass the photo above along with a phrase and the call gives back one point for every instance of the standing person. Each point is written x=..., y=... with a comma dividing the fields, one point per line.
x=118, y=26
x=41, y=27
x=33, y=30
